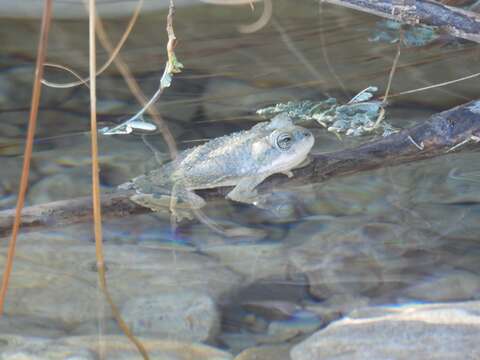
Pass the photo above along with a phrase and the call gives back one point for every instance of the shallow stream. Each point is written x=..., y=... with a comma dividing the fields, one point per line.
x=395, y=236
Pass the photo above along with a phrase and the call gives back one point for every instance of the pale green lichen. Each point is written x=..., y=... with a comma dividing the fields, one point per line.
x=358, y=117
x=301, y=110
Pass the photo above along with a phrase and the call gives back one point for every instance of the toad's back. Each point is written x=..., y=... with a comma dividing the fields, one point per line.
x=219, y=162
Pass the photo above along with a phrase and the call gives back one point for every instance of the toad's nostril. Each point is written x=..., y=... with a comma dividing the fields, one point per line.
x=307, y=133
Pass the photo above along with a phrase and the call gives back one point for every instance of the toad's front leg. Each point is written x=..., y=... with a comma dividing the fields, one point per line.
x=245, y=191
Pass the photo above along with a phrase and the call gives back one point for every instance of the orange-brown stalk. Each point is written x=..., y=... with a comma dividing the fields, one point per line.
x=32, y=123
x=97, y=211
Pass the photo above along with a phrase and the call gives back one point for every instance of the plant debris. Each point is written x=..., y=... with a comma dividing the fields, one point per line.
x=358, y=117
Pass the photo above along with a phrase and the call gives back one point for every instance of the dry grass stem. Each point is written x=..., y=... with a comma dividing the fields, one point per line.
x=32, y=122
x=97, y=213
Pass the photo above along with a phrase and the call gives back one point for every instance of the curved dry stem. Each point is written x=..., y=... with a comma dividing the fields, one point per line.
x=81, y=81
x=32, y=122
x=261, y=22
x=113, y=53
x=257, y=25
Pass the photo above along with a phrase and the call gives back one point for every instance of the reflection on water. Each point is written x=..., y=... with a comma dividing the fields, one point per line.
x=393, y=236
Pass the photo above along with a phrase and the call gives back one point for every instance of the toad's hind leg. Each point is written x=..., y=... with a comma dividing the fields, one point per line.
x=195, y=203
x=192, y=201
x=245, y=190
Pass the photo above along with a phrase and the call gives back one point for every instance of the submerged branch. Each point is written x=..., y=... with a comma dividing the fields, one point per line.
x=443, y=133
x=454, y=21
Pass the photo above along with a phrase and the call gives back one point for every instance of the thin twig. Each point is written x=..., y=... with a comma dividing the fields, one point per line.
x=173, y=66
x=97, y=212
x=435, y=85
x=394, y=66
x=136, y=90
x=172, y=39
x=381, y=114
x=32, y=122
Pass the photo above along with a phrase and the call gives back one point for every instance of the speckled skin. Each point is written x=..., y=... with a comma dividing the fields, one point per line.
x=242, y=159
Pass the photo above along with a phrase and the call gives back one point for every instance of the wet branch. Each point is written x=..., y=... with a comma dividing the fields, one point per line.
x=454, y=130
x=454, y=21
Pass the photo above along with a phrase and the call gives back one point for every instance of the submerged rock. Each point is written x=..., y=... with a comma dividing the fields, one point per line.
x=255, y=261
x=180, y=316
x=60, y=187
x=416, y=332
x=354, y=257
x=30, y=326
x=280, y=352
x=105, y=347
x=302, y=322
x=337, y=262
x=59, y=281
x=446, y=285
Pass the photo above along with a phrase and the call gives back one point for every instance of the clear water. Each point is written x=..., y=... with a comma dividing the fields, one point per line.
x=396, y=235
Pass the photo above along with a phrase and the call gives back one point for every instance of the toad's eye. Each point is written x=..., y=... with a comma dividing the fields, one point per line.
x=284, y=141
